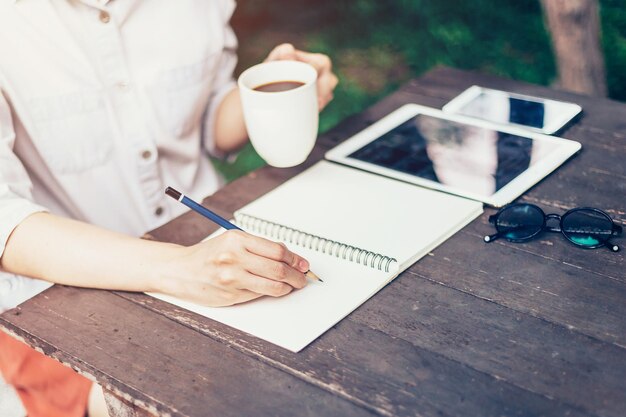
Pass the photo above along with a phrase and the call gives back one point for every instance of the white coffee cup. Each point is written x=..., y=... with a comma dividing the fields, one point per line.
x=282, y=125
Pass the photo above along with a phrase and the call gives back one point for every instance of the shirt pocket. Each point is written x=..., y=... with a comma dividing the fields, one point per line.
x=180, y=95
x=74, y=132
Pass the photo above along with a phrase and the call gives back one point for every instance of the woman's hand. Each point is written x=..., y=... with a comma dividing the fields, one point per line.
x=326, y=79
x=232, y=268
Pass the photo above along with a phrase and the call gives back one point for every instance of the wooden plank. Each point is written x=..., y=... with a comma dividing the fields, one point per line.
x=596, y=177
x=121, y=407
x=525, y=351
x=530, y=280
x=159, y=365
x=393, y=376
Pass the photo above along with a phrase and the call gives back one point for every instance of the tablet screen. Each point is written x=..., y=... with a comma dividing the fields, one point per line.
x=540, y=114
x=498, y=107
x=476, y=159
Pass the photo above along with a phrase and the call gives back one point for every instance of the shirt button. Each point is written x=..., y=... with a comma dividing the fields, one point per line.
x=158, y=211
x=105, y=17
x=6, y=285
x=123, y=85
x=146, y=154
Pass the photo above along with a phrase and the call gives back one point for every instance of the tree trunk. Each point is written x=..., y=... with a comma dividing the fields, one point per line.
x=575, y=29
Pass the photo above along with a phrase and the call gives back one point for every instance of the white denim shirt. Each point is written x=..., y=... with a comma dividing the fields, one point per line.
x=105, y=103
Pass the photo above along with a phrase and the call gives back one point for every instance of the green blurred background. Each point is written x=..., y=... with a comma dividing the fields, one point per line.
x=377, y=45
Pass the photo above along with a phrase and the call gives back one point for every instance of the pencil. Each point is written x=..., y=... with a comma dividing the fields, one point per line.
x=215, y=218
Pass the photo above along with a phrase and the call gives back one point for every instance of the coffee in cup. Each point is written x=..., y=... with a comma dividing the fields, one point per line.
x=278, y=86
x=280, y=110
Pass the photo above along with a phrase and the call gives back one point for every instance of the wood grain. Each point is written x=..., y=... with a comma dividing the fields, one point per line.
x=159, y=366
x=525, y=351
x=393, y=376
x=120, y=407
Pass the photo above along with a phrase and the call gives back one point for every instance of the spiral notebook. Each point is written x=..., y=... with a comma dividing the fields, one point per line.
x=358, y=230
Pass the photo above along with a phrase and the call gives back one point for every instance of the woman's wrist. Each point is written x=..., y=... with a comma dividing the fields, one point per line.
x=165, y=268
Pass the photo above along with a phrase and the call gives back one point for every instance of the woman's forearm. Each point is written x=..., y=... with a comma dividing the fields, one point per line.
x=69, y=252
x=230, y=129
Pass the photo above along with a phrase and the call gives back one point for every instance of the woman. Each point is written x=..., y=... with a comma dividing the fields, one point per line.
x=103, y=104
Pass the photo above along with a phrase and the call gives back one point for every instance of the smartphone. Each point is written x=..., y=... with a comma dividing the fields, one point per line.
x=537, y=114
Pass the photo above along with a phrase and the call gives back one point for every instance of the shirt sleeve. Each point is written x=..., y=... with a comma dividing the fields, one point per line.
x=223, y=82
x=15, y=186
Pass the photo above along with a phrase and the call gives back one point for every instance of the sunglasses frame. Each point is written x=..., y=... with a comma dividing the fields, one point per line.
x=615, y=231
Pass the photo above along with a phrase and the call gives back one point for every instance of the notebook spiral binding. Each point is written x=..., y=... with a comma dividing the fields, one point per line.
x=314, y=242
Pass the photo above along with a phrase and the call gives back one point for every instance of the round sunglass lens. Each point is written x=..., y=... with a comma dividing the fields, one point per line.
x=520, y=222
x=587, y=227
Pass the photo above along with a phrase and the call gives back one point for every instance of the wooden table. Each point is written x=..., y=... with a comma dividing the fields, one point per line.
x=472, y=329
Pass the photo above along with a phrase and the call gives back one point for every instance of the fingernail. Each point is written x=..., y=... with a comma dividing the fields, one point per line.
x=304, y=265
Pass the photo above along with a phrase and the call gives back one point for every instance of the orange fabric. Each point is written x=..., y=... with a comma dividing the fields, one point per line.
x=46, y=387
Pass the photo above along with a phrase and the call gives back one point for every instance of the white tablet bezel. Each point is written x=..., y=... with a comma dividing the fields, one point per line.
x=505, y=195
x=568, y=110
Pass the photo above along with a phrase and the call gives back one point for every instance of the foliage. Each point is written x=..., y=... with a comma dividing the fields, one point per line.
x=613, y=15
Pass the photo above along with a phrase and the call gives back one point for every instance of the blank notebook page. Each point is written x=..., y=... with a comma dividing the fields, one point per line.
x=355, y=208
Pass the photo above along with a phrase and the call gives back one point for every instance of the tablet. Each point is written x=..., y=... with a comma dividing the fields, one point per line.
x=538, y=114
x=457, y=154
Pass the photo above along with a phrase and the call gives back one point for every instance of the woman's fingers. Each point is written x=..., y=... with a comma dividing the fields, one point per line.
x=276, y=252
x=282, y=52
x=230, y=284
x=320, y=62
x=263, y=286
x=326, y=79
x=260, y=257
x=325, y=86
x=274, y=270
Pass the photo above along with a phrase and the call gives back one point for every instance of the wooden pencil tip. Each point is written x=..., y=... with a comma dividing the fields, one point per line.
x=312, y=275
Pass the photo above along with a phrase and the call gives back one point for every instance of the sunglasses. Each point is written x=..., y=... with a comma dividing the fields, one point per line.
x=586, y=227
